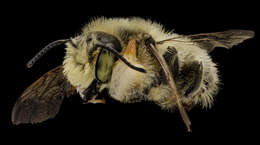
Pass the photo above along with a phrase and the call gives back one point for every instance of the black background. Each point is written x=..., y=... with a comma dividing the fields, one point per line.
x=233, y=118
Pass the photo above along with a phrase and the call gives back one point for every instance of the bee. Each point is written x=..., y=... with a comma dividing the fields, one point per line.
x=135, y=60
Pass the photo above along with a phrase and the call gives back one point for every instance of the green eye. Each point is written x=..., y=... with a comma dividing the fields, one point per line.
x=104, y=65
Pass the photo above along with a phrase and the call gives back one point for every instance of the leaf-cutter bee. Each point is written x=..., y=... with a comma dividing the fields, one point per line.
x=135, y=60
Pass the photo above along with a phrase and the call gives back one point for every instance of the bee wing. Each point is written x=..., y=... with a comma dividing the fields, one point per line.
x=226, y=39
x=41, y=100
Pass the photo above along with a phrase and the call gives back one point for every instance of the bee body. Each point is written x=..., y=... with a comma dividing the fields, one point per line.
x=135, y=60
x=128, y=85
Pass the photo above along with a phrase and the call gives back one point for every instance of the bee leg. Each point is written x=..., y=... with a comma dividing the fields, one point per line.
x=171, y=58
x=188, y=82
x=161, y=95
x=94, y=100
x=91, y=94
x=191, y=77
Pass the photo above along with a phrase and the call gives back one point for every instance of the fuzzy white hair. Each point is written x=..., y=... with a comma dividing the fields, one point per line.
x=122, y=80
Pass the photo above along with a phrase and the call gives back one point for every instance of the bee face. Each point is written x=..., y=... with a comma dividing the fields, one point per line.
x=96, y=40
x=95, y=54
x=86, y=47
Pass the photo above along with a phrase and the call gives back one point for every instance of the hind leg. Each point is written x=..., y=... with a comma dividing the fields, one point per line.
x=190, y=78
x=162, y=93
x=188, y=81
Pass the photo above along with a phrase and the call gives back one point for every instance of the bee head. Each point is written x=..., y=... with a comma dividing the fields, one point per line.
x=103, y=50
x=98, y=49
x=97, y=43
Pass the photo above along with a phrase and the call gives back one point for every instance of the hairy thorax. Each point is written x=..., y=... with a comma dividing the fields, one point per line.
x=128, y=85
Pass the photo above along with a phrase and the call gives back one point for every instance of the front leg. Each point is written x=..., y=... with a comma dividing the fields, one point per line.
x=91, y=94
x=96, y=100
